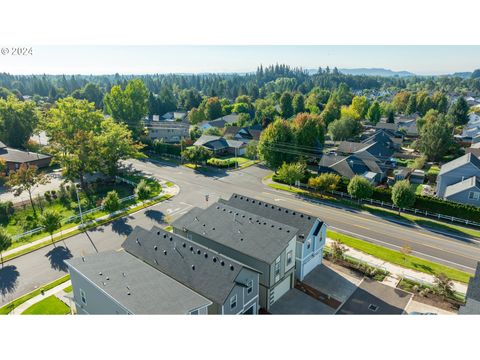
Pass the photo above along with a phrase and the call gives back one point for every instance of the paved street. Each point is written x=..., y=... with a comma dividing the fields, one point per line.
x=25, y=273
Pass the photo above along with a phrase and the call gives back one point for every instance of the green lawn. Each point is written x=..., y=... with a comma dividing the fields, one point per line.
x=396, y=257
x=5, y=309
x=48, y=306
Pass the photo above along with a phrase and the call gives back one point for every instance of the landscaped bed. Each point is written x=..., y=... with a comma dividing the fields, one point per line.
x=428, y=295
x=48, y=306
x=398, y=258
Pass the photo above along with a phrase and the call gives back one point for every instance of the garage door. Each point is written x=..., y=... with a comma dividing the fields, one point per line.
x=279, y=290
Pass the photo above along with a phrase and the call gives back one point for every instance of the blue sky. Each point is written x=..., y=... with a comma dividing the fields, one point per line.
x=424, y=60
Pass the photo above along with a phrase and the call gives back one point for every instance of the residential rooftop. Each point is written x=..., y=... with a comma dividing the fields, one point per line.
x=136, y=286
x=302, y=221
x=256, y=236
x=462, y=160
x=205, y=271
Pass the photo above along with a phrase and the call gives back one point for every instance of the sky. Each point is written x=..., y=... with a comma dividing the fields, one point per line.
x=422, y=60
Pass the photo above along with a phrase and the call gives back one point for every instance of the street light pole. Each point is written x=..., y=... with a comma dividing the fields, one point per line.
x=79, y=205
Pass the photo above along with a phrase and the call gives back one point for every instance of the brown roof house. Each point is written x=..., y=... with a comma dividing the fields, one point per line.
x=14, y=158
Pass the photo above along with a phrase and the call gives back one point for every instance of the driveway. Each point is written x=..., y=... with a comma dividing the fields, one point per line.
x=296, y=302
x=374, y=298
x=332, y=282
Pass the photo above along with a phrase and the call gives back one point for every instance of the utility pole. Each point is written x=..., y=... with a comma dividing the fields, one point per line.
x=79, y=205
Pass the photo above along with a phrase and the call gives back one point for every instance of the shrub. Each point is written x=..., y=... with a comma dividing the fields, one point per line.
x=111, y=202
x=359, y=187
x=6, y=209
x=222, y=163
x=143, y=191
x=324, y=182
x=48, y=195
x=291, y=173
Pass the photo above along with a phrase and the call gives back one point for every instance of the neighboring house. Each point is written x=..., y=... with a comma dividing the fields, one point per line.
x=178, y=115
x=458, y=180
x=168, y=129
x=222, y=146
x=471, y=130
x=14, y=158
x=360, y=163
x=311, y=235
x=472, y=305
x=260, y=243
x=245, y=134
x=116, y=282
x=231, y=287
x=220, y=123
x=474, y=149
x=380, y=145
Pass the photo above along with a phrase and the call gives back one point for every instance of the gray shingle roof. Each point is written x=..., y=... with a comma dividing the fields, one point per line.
x=20, y=156
x=461, y=186
x=303, y=222
x=137, y=286
x=217, y=142
x=175, y=255
x=462, y=160
x=349, y=147
x=245, y=232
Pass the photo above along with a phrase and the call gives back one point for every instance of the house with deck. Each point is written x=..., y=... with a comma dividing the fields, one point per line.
x=311, y=235
x=260, y=243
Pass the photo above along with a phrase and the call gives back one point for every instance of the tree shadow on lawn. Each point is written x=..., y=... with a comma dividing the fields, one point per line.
x=57, y=255
x=156, y=216
x=424, y=268
x=8, y=279
x=121, y=227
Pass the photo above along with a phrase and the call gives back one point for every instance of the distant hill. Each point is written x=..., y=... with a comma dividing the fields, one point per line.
x=376, y=72
x=465, y=75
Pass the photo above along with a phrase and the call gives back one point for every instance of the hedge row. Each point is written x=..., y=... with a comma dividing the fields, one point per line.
x=424, y=203
x=163, y=148
x=222, y=163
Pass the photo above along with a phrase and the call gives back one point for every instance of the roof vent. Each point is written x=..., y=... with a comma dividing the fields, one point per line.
x=137, y=242
x=171, y=238
x=164, y=236
x=309, y=218
x=164, y=252
x=253, y=201
x=155, y=260
x=83, y=258
x=222, y=263
x=206, y=255
x=124, y=275
x=155, y=247
x=184, y=245
x=213, y=228
x=288, y=231
x=198, y=252
x=279, y=228
x=128, y=293
x=107, y=278
x=241, y=239
x=248, y=199
x=193, y=267
x=232, y=268
x=214, y=259
x=294, y=213
x=100, y=273
x=191, y=248
x=301, y=215
x=273, y=207
x=279, y=209
x=286, y=211
x=235, y=196
x=218, y=207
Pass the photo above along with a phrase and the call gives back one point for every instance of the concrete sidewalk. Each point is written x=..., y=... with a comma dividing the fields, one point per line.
x=172, y=190
x=396, y=271
x=21, y=308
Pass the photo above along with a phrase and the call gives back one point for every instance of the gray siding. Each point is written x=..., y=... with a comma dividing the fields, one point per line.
x=462, y=197
x=98, y=302
x=455, y=176
x=244, y=300
x=310, y=248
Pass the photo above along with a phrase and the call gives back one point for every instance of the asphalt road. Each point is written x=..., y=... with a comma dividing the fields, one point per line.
x=27, y=272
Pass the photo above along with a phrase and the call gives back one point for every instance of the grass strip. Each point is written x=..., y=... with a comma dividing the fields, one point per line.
x=397, y=258
x=51, y=305
x=7, y=308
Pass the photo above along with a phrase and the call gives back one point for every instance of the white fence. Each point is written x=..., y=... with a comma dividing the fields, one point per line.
x=408, y=210
x=71, y=218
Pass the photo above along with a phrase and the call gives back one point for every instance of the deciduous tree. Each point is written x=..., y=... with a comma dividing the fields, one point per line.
x=360, y=187
x=51, y=220
x=276, y=144
x=18, y=120
x=291, y=173
x=402, y=195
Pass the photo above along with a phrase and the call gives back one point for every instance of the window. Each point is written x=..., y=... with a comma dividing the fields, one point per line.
x=83, y=296
x=289, y=257
x=249, y=286
x=233, y=302
x=195, y=312
x=277, y=269
x=474, y=195
x=309, y=244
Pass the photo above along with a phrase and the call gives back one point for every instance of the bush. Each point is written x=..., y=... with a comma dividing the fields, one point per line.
x=29, y=223
x=111, y=202
x=143, y=191
x=324, y=182
x=159, y=147
x=222, y=163
x=6, y=209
